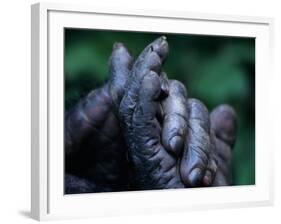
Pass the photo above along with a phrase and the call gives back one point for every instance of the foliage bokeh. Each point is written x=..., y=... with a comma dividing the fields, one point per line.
x=214, y=69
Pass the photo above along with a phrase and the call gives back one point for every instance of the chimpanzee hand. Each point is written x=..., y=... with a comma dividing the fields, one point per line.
x=95, y=150
x=170, y=142
x=155, y=166
x=220, y=136
x=207, y=154
x=94, y=147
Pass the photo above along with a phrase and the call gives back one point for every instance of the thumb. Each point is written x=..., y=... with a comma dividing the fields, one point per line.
x=120, y=63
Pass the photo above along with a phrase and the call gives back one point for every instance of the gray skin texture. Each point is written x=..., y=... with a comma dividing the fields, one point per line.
x=95, y=152
x=166, y=142
x=223, y=128
x=200, y=152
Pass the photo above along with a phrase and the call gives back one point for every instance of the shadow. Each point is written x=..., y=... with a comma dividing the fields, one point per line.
x=25, y=214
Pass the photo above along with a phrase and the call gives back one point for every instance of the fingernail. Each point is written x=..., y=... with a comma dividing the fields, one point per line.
x=165, y=90
x=207, y=180
x=176, y=144
x=117, y=45
x=195, y=177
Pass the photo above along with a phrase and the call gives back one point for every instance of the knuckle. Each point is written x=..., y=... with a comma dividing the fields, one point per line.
x=178, y=88
x=198, y=108
x=153, y=61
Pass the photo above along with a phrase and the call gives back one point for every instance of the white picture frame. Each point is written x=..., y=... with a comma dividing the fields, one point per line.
x=48, y=200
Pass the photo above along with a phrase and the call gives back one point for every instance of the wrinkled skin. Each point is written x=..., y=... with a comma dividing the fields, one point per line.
x=223, y=127
x=95, y=150
x=94, y=147
x=154, y=163
x=171, y=140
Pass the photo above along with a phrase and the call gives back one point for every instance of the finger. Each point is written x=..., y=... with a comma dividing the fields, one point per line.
x=159, y=46
x=175, y=118
x=120, y=61
x=210, y=173
x=144, y=121
x=223, y=155
x=120, y=64
x=148, y=61
x=223, y=123
x=151, y=57
x=155, y=168
x=147, y=106
x=212, y=167
x=196, y=154
x=164, y=81
x=143, y=138
x=89, y=113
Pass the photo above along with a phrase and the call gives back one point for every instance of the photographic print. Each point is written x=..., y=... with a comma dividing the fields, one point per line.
x=151, y=111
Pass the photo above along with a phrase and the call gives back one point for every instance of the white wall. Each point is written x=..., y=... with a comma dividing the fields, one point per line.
x=15, y=111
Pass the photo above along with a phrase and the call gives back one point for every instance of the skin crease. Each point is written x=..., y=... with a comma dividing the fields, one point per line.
x=97, y=148
x=223, y=126
x=94, y=145
x=153, y=166
x=94, y=148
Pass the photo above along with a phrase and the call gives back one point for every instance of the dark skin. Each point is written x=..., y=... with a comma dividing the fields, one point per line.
x=180, y=147
x=94, y=147
x=223, y=128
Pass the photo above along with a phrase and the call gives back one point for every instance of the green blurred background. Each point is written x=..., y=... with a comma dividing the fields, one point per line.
x=214, y=69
